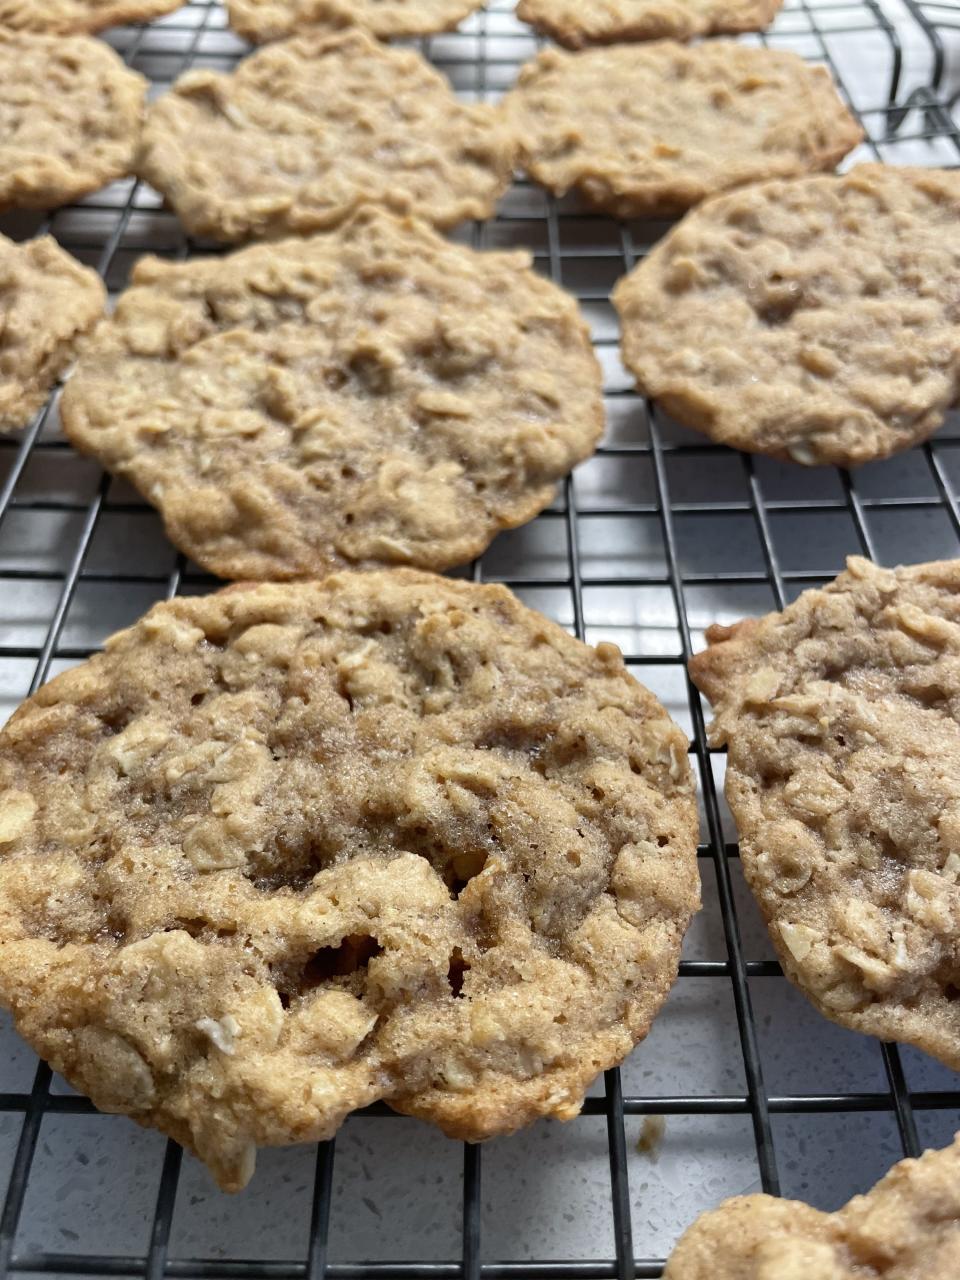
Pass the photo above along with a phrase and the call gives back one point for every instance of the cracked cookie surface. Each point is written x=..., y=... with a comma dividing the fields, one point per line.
x=308, y=129
x=373, y=396
x=48, y=301
x=841, y=719
x=579, y=23
x=70, y=117
x=262, y=20
x=815, y=319
x=70, y=17
x=907, y=1227
x=284, y=850
x=655, y=128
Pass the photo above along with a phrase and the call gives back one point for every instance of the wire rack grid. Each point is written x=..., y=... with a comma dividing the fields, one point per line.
x=658, y=535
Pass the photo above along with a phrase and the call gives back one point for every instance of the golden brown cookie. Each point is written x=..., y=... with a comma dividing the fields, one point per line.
x=263, y=20
x=578, y=23
x=813, y=319
x=48, y=301
x=841, y=719
x=70, y=17
x=655, y=128
x=307, y=130
x=287, y=849
x=906, y=1228
x=373, y=396
x=70, y=116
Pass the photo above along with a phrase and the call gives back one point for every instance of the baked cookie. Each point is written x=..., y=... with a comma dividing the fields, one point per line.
x=653, y=129
x=373, y=396
x=284, y=850
x=841, y=719
x=578, y=23
x=70, y=116
x=813, y=319
x=262, y=20
x=47, y=302
x=307, y=130
x=68, y=17
x=906, y=1228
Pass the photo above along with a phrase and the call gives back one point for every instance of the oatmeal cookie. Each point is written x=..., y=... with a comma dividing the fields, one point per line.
x=906, y=1228
x=70, y=116
x=654, y=128
x=47, y=302
x=308, y=129
x=69, y=17
x=814, y=319
x=262, y=20
x=578, y=23
x=372, y=396
x=284, y=850
x=841, y=719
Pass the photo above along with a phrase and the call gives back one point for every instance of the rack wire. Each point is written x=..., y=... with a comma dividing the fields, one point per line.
x=658, y=535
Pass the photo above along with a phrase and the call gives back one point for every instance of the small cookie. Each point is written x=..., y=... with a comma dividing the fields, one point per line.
x=263, y=20
x=373, y=396
x=841, y=719
x=578, y=23
x=282, y=851
x=906, y=1228
x=70, y=116
x=307, y=130
x=814, y=319
x=47, y=302
x=653, y=129
x=71, y=17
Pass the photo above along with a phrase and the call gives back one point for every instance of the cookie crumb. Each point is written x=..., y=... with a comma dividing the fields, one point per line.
x=651, y=1137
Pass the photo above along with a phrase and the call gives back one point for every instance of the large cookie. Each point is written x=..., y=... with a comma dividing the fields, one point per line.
x=70, y=116
x=262, y=20
x=814, y=319
x=373, y=396
x=578, y=23
x=47, y=302
x=653, y=129
x=307, y=130
x=66, y=17
x=906, y=1228
x=285, y=850
x=841, y=719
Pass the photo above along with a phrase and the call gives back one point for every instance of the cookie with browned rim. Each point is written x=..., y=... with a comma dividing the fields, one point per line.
x=907, y=1227
x=48, y=301
x=372, y=396
x=70, y=118
x=71, y=17
x=307, y=130
x=814, y=319
x=285, y=850
x=579, y=23
x=841, y=719
x=263, y=20
x=655, y=128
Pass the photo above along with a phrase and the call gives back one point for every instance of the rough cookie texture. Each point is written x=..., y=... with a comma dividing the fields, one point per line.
x=262, y=20
x=841, y=719
x=284, y=850
x=578, y=23
x=47, y=302
x=644, y=129
x=814, y=319
x=70, y=115
x=67, y=17
x=306, y=130
x=906, y=1228
x=372, y=396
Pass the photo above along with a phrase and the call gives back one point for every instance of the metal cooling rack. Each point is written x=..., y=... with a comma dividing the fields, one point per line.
x=658, y=535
